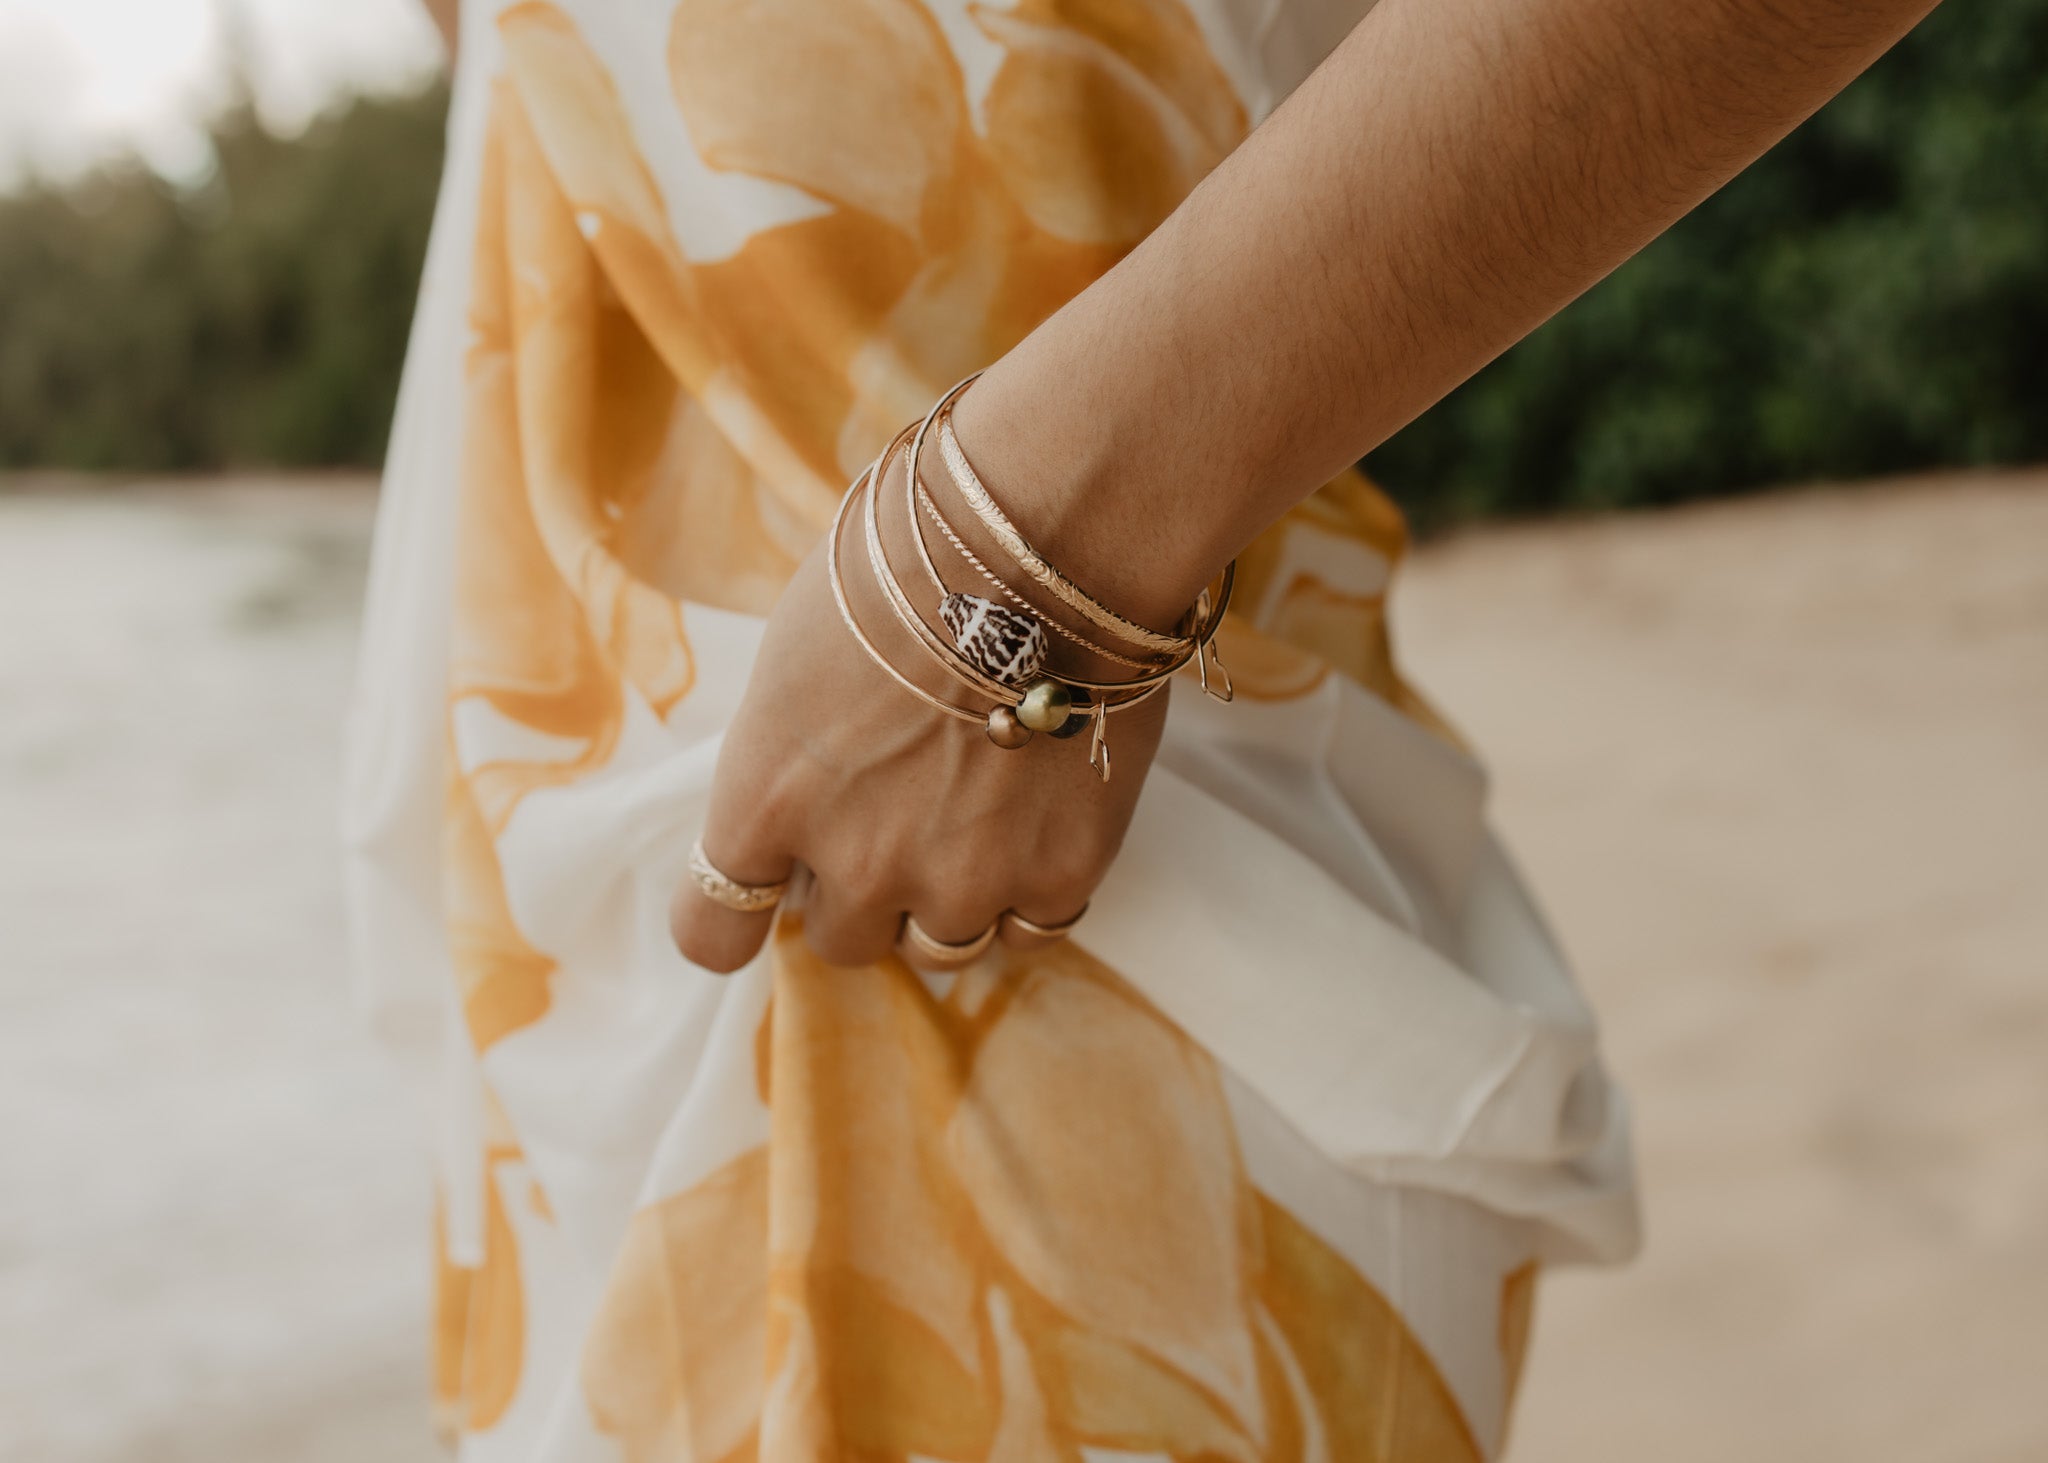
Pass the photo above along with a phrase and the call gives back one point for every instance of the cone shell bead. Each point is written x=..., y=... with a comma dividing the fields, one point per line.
x=998, y=641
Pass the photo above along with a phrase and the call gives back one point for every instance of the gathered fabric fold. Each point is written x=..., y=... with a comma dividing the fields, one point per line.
x=1261, y=1165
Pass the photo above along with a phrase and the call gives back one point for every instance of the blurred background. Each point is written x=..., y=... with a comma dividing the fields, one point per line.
x=1778, y=758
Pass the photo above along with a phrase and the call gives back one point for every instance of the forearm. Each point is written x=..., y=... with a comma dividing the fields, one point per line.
x=1454, y=173
x=444, y=14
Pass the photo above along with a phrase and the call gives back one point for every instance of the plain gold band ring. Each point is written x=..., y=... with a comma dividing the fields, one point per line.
x=921, y=948
x=722, y=888
x=1015, y=923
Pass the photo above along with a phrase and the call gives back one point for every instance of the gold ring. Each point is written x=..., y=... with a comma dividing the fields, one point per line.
x=923, y=949
x=721, y=888
x=1013, y=923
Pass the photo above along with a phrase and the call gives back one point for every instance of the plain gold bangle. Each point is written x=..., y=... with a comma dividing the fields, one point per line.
x=916, y=496
x=832, y=574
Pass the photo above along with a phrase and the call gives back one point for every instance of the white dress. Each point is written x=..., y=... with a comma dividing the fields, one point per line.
x=1261, y=1165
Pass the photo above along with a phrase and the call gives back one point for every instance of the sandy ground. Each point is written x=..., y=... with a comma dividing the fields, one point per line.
x=1780, y=768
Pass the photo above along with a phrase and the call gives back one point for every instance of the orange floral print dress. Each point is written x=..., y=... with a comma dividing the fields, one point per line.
x=1260, y=1167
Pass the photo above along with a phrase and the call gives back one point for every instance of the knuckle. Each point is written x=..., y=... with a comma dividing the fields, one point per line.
x=836, y=944
x=707, y=941
x=1076, y=862
x=863, y=881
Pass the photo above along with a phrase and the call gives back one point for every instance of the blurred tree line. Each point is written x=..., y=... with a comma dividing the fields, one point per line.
x=1872, y=296
x=256, y=318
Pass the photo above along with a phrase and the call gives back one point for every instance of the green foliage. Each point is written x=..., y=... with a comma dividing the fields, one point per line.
x=259, y=318
x=1870, y=297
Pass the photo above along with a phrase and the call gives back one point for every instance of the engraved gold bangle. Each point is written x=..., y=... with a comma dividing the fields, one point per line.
x=1197, y=647
x=1139, y=689
x=721, y=888
x=1155, y=673
x=1095, y=711
x=916, y=496
x=970, y=487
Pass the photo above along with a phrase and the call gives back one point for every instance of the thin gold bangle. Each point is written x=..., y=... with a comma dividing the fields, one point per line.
x=916, y=496
x=1061, y=588
x=832, y=573
x=954, y=663
x=1185, y=650
x=950, y=658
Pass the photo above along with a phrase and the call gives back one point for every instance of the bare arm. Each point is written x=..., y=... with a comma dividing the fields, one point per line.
x=444, y=14
x=1453, y=174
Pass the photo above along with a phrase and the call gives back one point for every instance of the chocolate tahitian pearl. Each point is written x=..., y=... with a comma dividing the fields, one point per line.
x=1005, y=730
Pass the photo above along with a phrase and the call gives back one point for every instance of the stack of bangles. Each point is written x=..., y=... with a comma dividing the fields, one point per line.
x=1016, y=679
x=1042, y=656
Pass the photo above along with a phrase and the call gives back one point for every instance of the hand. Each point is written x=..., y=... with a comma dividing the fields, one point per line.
x=893, y=807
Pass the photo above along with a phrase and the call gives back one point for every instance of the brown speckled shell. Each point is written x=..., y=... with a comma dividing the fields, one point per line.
x=1000, y=642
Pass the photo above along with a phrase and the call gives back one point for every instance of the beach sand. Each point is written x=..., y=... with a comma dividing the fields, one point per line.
x=1779, y=768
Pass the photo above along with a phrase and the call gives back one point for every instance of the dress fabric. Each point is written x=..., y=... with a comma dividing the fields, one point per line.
x=1260, y=1166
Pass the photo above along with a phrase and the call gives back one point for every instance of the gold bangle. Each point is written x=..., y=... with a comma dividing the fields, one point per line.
x=965, y=671
x=1009, y=733
x=1198, y=646
x=949, y=657
x=1154, y=671
x=720, y=887
x=832, y=574
x=1061, y=588
x=916, y=496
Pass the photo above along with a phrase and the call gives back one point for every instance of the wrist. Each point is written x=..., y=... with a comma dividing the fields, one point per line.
x=1089, y=489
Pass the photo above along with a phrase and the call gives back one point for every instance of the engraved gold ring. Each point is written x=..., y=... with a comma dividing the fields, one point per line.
x=722, y=888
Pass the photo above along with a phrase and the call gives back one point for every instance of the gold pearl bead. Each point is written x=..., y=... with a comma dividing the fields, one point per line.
x=1005, y=730
x=1046, y=705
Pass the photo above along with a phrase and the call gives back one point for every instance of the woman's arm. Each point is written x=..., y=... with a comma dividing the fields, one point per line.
x=444, y=14
x=1453, y=174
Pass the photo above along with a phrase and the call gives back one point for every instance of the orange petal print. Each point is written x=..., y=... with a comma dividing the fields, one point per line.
x=1161, y=39
x=495, y=1352
x=673, y=1364
x=873, y=1251
x=1378, y=1397
x=520, y=641
x=1105, y=113
x=1316, y=583
x=561, y=379
x=616, y=207
x=450, y=1337
x=858, y=102
x=502, y=980
x=1101, y=1160
x=1517, y=1315
x=701, y=531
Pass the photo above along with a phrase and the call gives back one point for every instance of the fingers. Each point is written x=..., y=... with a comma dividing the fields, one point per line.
x=859, y=913
x=849, y=922
x=710, y=933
